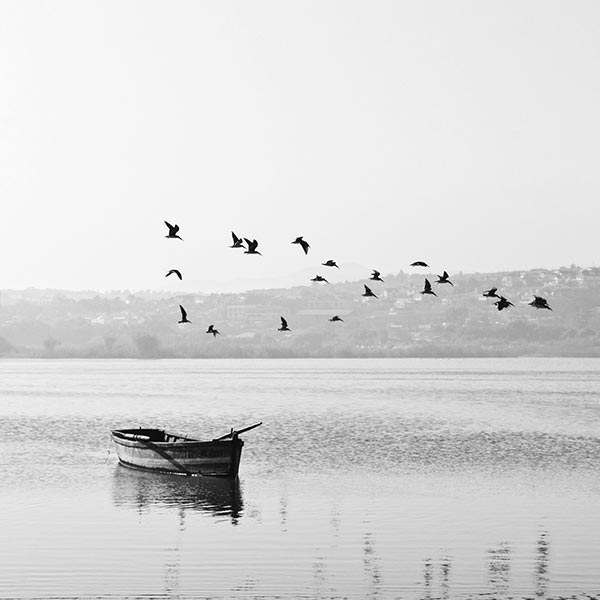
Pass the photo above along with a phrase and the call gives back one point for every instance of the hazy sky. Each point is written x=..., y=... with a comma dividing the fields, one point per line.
x=462, y=133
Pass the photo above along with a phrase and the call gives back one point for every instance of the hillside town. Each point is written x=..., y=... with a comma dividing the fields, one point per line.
x=400, y=322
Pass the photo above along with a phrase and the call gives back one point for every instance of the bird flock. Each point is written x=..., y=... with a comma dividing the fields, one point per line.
x=250, y=247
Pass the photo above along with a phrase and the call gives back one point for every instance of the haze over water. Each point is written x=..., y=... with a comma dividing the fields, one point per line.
x=368, y=479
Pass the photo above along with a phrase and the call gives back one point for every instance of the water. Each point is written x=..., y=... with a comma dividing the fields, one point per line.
x=368, y=479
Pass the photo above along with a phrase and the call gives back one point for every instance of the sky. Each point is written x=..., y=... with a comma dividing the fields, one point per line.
x=463, y=133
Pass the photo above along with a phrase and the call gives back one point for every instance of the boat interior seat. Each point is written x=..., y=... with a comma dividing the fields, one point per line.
x=155, y=435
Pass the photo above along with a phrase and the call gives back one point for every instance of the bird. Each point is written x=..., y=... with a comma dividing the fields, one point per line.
x=503, y=303
x=444, y=279
x=305, y=245
x=539, y=302
x=336, y=318
x=419, y=263
x=491, y=293
x=211, y=329
x=368, y=292
x=178, y=273
x=330, y=263
x=184, y=318
x=427, y=289
x=319, y=278
x=173, y=229
x=252, y=244
x=284, y=325
x=237, y=242
x=375, y=276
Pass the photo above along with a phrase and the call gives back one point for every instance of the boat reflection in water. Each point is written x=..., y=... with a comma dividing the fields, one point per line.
x=222, y=497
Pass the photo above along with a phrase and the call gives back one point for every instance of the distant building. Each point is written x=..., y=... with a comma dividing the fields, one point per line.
x=591, y=277
x=246, y=314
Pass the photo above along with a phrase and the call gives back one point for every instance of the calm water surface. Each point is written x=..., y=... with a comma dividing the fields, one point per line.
x=369, y=479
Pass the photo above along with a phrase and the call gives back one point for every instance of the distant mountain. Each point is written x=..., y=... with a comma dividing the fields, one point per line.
x=400, y=322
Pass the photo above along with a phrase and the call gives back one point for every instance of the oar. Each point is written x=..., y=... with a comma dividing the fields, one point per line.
x=233, y=433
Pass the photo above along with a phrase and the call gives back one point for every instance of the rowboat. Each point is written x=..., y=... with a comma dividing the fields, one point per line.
x=170, y=452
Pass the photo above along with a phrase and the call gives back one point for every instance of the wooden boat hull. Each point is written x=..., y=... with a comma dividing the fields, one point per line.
x=160, y=451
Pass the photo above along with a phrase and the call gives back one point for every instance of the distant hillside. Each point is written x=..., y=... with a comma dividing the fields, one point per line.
x=400, y=322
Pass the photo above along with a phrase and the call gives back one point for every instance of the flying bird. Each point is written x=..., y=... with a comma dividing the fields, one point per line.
x=303, y=243
x=184, y=318
x=330, y=263
x=336, y=318
x=427, y=289
x=368, y=292
x=419, y=263
x=503, y=303
x=539, y=302
x=284, y=325
x=252, y=244
x=178, y=273
x=319, y=278
x=173, y=229
x=237, y=242
x=491, y=293
x=444, y=279
x=375, y=276
x=211, y=329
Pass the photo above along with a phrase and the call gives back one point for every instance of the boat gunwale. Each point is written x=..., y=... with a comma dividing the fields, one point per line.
x=187, y=442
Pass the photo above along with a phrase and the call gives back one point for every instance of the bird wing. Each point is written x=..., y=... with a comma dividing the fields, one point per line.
x=492, y=291
x=427, y=285
x=283, y=322
x=445, y=275
x=236, y=239
x=376, y=273
x=305, y=246
x=178, y=274
x=367, y=289
x=171, y=227
x=183, y=313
